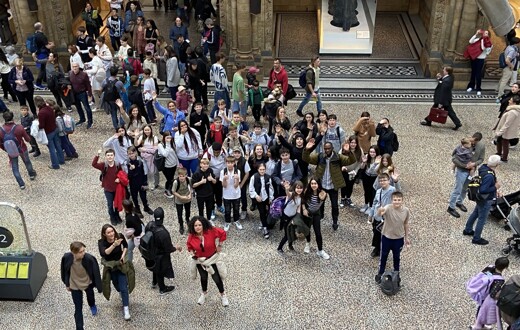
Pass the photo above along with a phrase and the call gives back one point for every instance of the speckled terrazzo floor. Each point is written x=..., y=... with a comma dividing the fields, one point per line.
x=267, y=291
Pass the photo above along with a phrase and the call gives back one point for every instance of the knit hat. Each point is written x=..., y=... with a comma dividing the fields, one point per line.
x=158, y=215
x=493, y=161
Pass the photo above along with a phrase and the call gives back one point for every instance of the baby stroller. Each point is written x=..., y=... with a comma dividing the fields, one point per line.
x=513, y=221
x=500, y=210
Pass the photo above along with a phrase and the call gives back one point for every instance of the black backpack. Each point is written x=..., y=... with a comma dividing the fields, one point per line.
x=302, y=80
x=179, y=184
x=148, y=245
x=474, y=188
x=128, y=66
x=110, y=90
x=509, y=300
x=390, y=282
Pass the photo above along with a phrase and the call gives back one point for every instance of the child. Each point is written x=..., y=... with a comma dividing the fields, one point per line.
x=292, y=206
x=217, y=162
x=199, y=120
x=70, y=151
x=26, y=120
x=138, y=180
x=122, y=53
x=255, y=100
x=259, y=136
x=183, y=100
x=237, y=121
x=148, y=89
x=149, y=63
x=261, y=191
x=217, y=132
x=230, y=178
x=464, y=153
x=224, y=114
x=234, y=140
x=242, y=165
x=182, y=192
x=135, y=96
x=285, y=171
x=203, y=180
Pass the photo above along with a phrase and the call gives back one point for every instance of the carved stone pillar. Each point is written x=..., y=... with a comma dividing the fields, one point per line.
x=23, y=19
x=55, y=15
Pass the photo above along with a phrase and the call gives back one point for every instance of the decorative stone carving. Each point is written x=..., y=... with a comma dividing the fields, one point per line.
x=60, y=35
x=439, y=18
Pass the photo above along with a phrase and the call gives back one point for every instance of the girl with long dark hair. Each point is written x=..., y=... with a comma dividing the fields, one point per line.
x=369, y=164
x=292, y=206
x=313, y=198
x=189, y=146
x=151, y=32
x=119, y=142
x=147, y=144
x=261, y=192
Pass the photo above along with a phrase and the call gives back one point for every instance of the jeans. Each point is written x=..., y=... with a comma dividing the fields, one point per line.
x=27, y=97
x=121, y=284
x=16, y=170
x=216, y=278
x=82, y=99
x=116, y=42
x=67, y=146
x=481, y=212
x=306, y=100
x=476, y=74
x=55, y=149
x=130, y=251
x=220, y=95
x=387, y=245
x=242, y=107
x=150, y=110
x=209, y=202
x=333, y=195
x=109, y=195
x=231, y=204
x=182, y=68
x=190, y=165
x=114, y=113
x=460, y=187
x=77, y=298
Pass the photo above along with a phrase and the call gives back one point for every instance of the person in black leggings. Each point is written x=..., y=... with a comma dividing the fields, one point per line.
x=292, y=206
x=261, y=190
x=368, y=169
x=313, y=198
x=352, y=150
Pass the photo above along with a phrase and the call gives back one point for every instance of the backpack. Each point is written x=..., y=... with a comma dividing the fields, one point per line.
x=277, y=207
x=479, y=285
x=128, y=67
x=390, y=282
x=110, y=90
x=30, y=43
x=302, y=80
x=178, y=183
x=69, y=125
x=509, y=299
x=159, y=160
x=105, y=168
x=395, y=143
x=148, y=246
x=474, y=188
x=502, y=60
x=11, y=145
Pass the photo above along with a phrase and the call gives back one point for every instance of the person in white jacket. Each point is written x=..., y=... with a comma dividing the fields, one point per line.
x=96, y=74
x=189, y=146
x=167, y=150
x=120, y=143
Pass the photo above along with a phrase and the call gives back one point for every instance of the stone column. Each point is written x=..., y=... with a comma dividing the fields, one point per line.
x=431, y=56
x=23, y=20
x=55, y=16
x=243, y=31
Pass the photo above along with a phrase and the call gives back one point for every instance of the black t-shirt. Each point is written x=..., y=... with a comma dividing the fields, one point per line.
x=116, y=253
x=133, y=221
x=204, y=190
x=41, y=41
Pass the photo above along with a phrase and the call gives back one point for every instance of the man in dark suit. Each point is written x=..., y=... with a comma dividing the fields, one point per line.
x=442, y=97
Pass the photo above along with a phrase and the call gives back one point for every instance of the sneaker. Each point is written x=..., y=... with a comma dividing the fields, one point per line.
x=497, y=100
x=212, y=215
x=22, y=187
x=480, y=241
x=93, y=310
x=342, y=202
x=469, y=89
x=32, y=177
x=126, y=313
x=479, y=93
x=226, y=226
x=221, y=209
x=79, y=123
x=89, y=126
x=238, y=225
x=69, y=109
x=148, y=210
x=280, y=252
x=349, y=203
x=252, y=208
x=322, y=254
x=202, y=299
x=37, y=153
x=154, y=285
x=38, y=86
x=91, y=104
x=212, y=223
x=378, y=278
x=181, y=229
x=307, y=248
x=367, y=211
x=364, y=208
x=94, y=109
x=166, y=290
x=168, y=194
x=266, y=233
x=243, y=215
x=375, y=253
x=468, y=233
x=225, y=301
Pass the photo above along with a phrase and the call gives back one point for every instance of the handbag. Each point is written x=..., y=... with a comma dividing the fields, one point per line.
x=41, y=137
x=291, y=93
x=438, y=115
x=100, y=75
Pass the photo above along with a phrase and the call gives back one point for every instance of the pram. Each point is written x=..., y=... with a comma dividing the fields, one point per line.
x=500, y=210
x=513, y=221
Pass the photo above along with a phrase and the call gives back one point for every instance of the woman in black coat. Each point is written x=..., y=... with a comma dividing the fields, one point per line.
x=386, y=137
x=21, y=80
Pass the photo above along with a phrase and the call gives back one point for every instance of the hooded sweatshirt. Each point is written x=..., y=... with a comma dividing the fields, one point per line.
x=216, y=164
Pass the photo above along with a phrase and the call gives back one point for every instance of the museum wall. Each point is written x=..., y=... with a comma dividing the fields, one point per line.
x=294, y=5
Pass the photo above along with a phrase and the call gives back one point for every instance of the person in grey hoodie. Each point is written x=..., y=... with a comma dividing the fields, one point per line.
x=382, y=198
x=335, y=134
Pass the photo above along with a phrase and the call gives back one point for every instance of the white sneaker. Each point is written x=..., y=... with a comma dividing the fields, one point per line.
x=226, y=226
x=364, y=208
x=307, y=248
x=94, y=109
x=91, y=103
x=202, y=299
x=322, y=254
x=225, y=301
x=367, y=211
x=212, y=214
x=479, y=93
x=239, y=225
x=126, y=313
x=469, y=89
x=243, y=215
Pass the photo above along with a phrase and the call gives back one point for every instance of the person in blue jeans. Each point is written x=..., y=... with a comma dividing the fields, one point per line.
x=312, y=87
x=19, y=134
x=47, y=122
x=109, y=169
x=112, y=93
x=488, y=192
x=113, y=248
x=80, y=272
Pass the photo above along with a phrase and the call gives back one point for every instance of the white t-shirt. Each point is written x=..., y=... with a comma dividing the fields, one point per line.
x=230, y=192
x=149, y=87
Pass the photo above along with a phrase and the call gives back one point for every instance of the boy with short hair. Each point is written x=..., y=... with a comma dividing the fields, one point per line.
x=230, y=178
x=199, y=120
x=382, y=198
x=285, y=171
x=148, y=91
x=203, y=180
x=259, y=136
x=217, y=132
x=26, y=120
x=109, y=169
x=256, y=96
x=395, y=232
x=182, y=191
x=234, y=140
x=239, y=123
x=242, y=165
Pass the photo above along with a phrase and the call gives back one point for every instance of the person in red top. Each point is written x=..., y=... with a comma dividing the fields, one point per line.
x=278, y=74
x=82, y=90
x=204, y=241
x=217, y=132
x=109, y=180
x=20, y=135
x=47, y=120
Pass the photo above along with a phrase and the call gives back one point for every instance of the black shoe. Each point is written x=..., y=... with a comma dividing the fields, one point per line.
x=457, y=127
x=335, y=226
x=291, y=247
x=426, y=123
x=461, y=207
x=53, y=168
x=75, y=155
x=468, y=233
x=503, y=160
x=166, y=290
x=507, y=228
x=32, y=177
x=480, y=241
x=67, y=158
x=375, y=253
x=148, y=210
x=32, y=150
x=181, y=229
x=113, y=222
x=299, y=113
x=453, y=213
x=252, y=207
x=119, y=220
x=37, y=153
x=378, y=278
x=79, y=123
